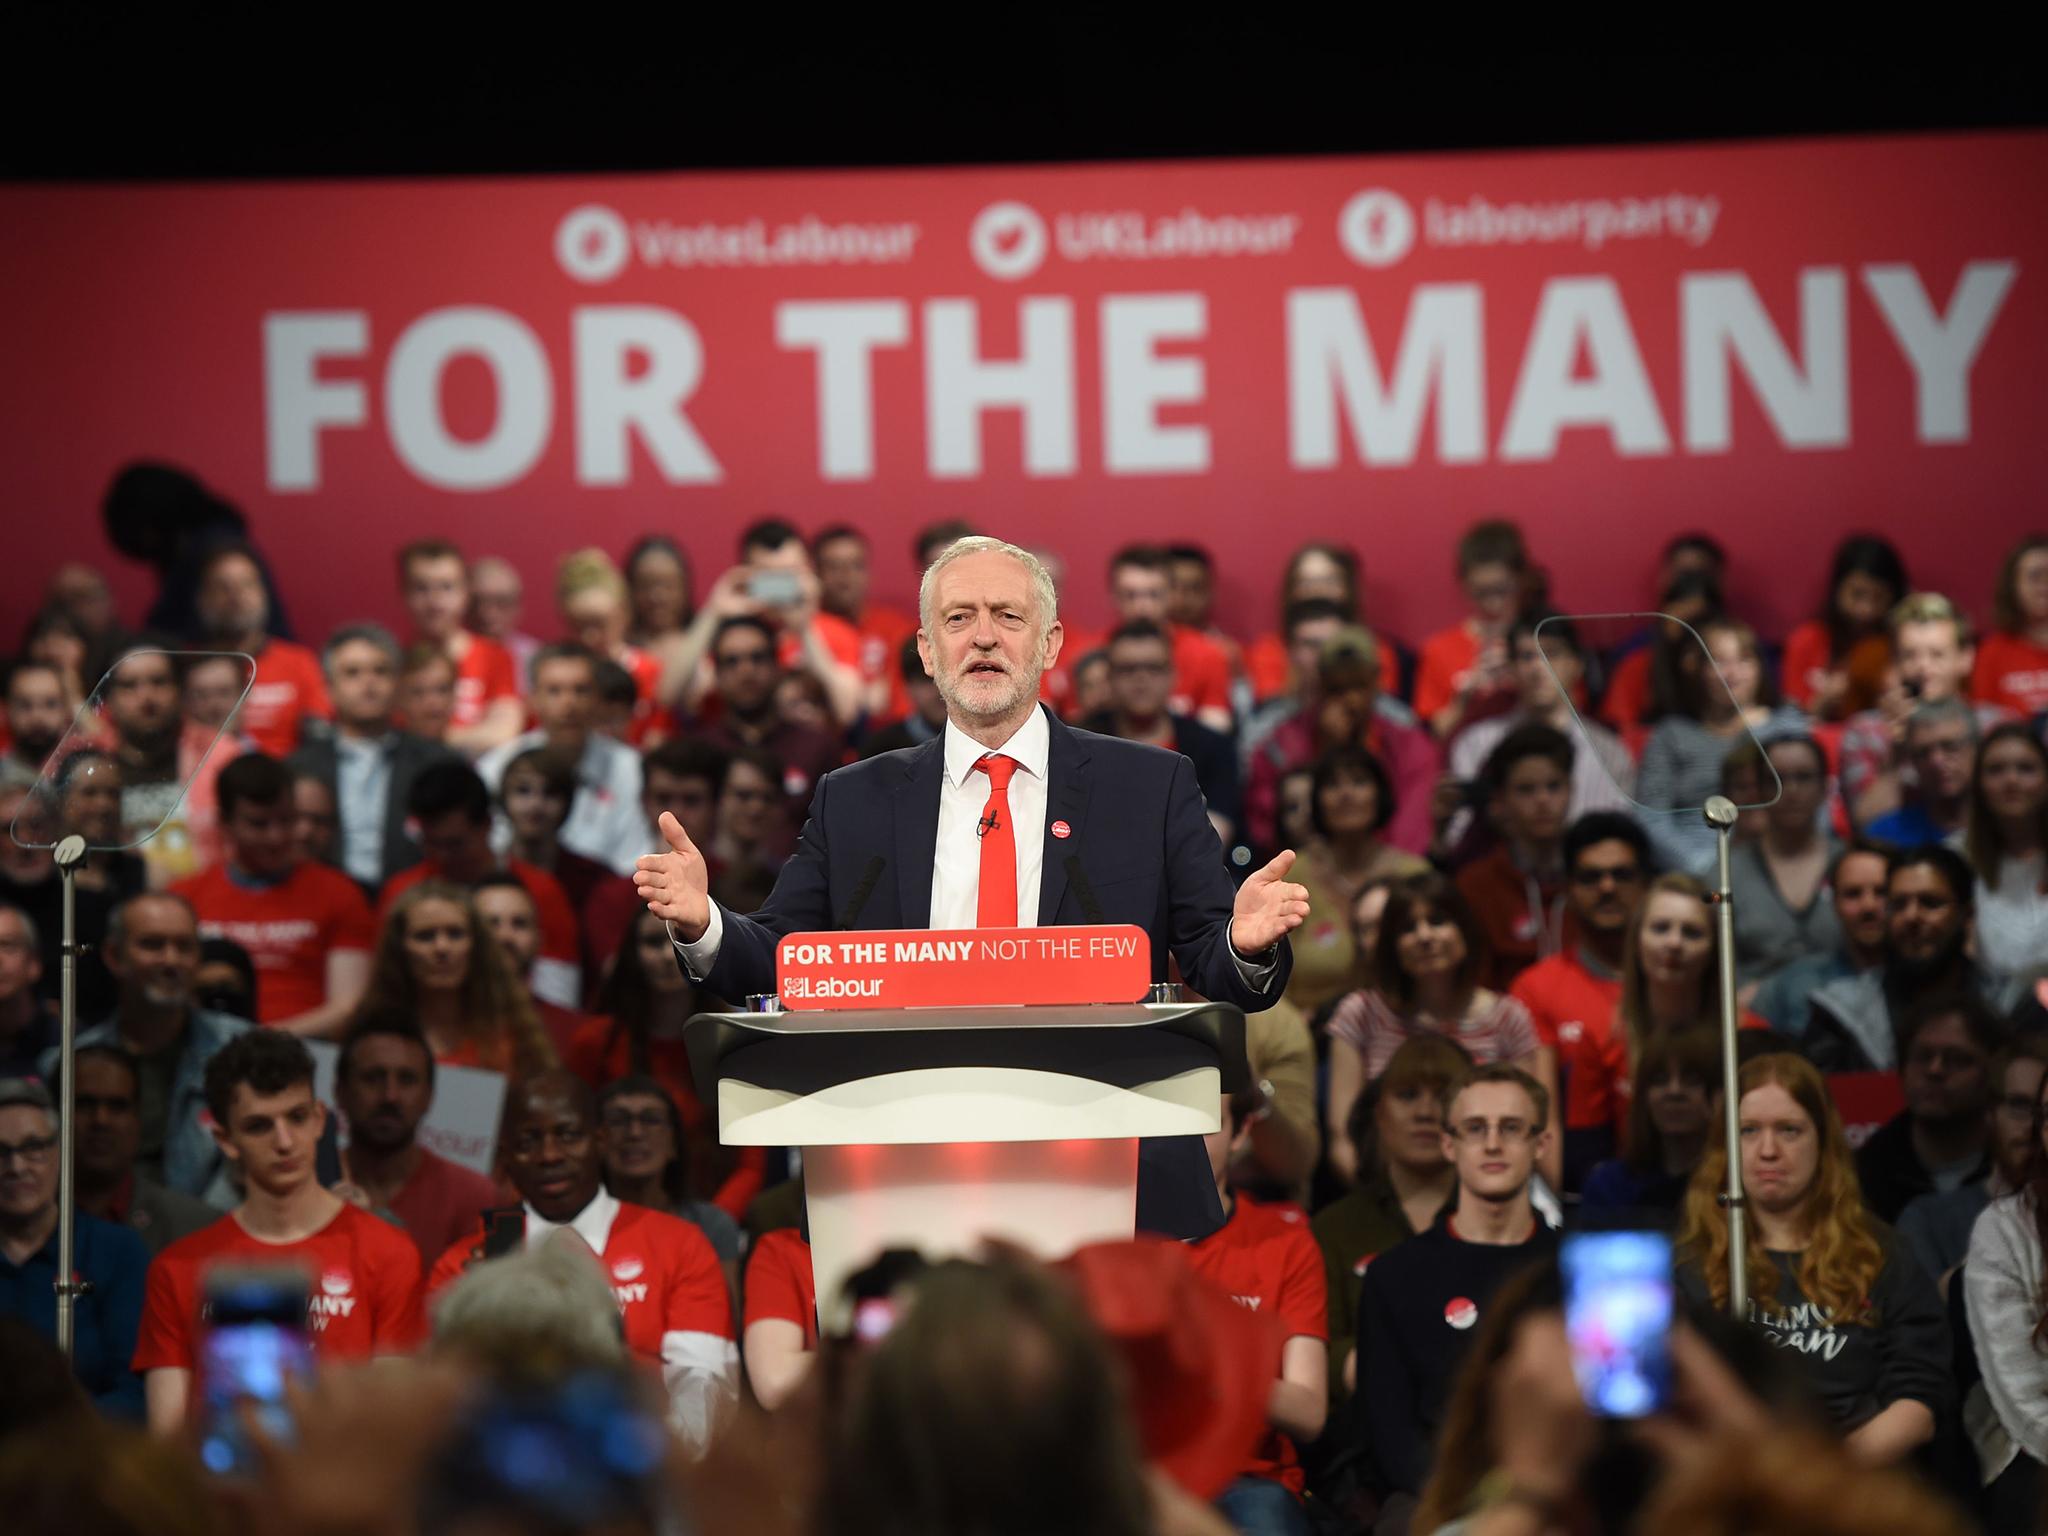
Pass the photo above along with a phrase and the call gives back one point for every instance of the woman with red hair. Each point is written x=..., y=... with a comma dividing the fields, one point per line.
x=1827, y=1281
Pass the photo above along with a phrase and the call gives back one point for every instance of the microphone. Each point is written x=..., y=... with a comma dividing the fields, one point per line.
x=1091, y=909
x=986, y=825
x=862, y=891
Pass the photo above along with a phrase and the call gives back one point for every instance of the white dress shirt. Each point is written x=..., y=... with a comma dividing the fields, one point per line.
x=605, y=821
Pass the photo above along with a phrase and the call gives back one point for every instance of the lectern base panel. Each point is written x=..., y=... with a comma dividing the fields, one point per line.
x=1047, y=1197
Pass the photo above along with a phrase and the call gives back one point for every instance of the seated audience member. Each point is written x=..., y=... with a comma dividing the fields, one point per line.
x=1779, y=880
x=152, y=948
x=1649, y=682
x=2005, y=1303
x=29, y=1024
x=169, y=767
x=438, y=966
x=29, y=882
x=1140, y=588
x=924, y=714
x=1426, y=975
x=1286, y=1139
x=1834, y=666
x=642, y=1008
x=426, y=694
x=497, y=604
x=1854, y=886
x=1603, y=773
x=1140, y=680
x=226, y=979
x=486, y=710
x=234, y=615
x=1682, y=760
x=56, y=640
x=1307, y=626
x=1089, y=685
x=306, y=926
x=1574, y=996
x=1420, y=1298
x=661, y=593
x=1351, y=803
x=1942, y=1139
x=1827, y=1282
x=1295, y=815
x=665, y=1278
x=1670, y=1117
x=89, y=796
x=1348, y=707
x=107, y=1100
x=259, y=1089
x=384, y=1086
x=646, y=1162
x=1191, y=603
x=1517, y=890
x=1936, y=1225
x=1932, y=654
x=1671, y=968
x=508, y=910
x=108, y=1257
x=38, y=715
x=743, y=652
x=535, y=794
x=1404, y=1180
x=617, y=700
x=2007, y=843
x=452, y=809
x=213, y=695
x=316, y=821
x=1941, y=746
x=1319, y=574
x=1264, y=1258
x=604, y=817
x=800, y=701
x=368, y=763
x=595, y=609
x=1466, y=673
x=755, y=829
x=1930, y=898
x=780, y=1336
x=2012, y=660
x=840, y=553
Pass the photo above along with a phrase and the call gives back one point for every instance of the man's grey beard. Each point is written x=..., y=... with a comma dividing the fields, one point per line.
x=168, y=999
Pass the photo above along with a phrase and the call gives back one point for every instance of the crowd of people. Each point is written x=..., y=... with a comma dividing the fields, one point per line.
x=415, y=852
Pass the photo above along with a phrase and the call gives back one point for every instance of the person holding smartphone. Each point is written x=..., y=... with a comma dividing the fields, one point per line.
x=1828, y=1284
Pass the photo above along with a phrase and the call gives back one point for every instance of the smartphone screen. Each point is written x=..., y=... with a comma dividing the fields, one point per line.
x=253, y=1341
x=775, y=588
x=1617, y=1314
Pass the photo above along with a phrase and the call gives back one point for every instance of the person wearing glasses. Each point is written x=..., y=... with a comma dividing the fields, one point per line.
x=1942, y=1139
x=1421, y=1300
x=1140, y=691
x=646, y=1162
x=109, y=1257
x=1779, y=880
x=1936, y=1225
x=746, y=668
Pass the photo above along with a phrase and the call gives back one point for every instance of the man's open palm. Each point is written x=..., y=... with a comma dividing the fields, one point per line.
x=675, y=885
x=1268, y=907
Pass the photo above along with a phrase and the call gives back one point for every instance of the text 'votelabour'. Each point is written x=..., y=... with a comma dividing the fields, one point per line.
x=965, y=968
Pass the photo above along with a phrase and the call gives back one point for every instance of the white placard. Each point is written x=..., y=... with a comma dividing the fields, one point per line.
x=462, y=1122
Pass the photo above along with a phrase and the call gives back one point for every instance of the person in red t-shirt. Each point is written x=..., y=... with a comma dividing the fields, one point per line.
x=383, y=1086
x=507, y=908
x=1264, y=1257
x=1191, y=602
x=1517, y=890
x=780, y=1334
x=434, y=582
x=305, y=925
x=363, y=1274
x=595, y=607
x=1465, y=673
x=1834, y=666
x=671, y=1293
x=2012, y=658
x=1140, y=584
x=840, y=554
x=234, y=615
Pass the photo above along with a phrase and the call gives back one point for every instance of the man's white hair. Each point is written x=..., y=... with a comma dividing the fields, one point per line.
x=982, y=544
x=549, y=1308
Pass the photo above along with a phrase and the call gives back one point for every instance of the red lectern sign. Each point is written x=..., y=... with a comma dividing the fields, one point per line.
x=965, y=967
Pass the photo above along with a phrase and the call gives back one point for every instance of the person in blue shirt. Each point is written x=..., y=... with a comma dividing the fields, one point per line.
x=111, y=1259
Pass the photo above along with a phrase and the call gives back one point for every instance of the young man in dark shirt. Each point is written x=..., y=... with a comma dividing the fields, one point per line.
x=1422, y=1299
x=1942, y=1139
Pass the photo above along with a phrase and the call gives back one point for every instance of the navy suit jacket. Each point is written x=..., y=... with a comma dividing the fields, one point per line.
x=1137, y=833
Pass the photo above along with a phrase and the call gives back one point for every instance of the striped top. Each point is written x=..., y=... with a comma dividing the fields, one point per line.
x=1495, y=1028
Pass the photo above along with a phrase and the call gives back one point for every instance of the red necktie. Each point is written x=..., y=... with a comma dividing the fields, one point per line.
x=995, y=900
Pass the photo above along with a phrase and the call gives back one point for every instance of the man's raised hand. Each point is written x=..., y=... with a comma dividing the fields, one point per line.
x=1268, y=908
x=675, y=885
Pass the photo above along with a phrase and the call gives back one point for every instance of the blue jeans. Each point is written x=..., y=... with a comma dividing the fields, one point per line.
x=1258, y=1506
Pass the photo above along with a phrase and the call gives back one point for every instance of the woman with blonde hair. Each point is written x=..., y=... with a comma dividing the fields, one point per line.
x=438, y=966
x=596, y=608
x=1827, y=1281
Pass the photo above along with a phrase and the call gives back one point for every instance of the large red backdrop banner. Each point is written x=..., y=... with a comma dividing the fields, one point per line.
x=1777, y=342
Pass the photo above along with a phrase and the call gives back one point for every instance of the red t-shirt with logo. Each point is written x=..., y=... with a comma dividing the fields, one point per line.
x=289, y=689
x=663, y=1275
x=1265, y=1259
x=780, y=1284
x=1201, y=673
x=2011, y=671
x=365, y=1277
x=288, y=929
x=1575, y=1014
x=484, y=673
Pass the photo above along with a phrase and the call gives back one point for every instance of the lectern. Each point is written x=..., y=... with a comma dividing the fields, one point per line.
x=933, y=1128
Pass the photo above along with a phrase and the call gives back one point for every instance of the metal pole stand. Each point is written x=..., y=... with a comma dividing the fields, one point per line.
x=70, y=857
x=1720, y=813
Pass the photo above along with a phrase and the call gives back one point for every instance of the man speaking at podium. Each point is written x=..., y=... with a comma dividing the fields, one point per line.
x=1007, y=819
